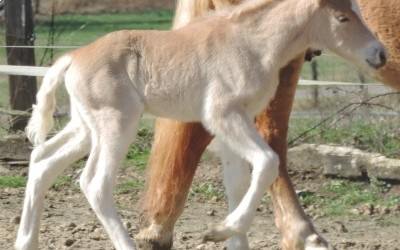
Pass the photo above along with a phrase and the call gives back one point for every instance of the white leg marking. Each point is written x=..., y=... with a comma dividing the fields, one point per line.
x=237, y=130
x=68, y=146
x=112, y=133
x=236, y=181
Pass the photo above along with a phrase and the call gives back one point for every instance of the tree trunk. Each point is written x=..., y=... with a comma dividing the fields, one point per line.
x=19, y=32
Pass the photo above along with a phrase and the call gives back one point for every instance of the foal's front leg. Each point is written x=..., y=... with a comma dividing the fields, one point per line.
x=237, y=173
x=237, y=131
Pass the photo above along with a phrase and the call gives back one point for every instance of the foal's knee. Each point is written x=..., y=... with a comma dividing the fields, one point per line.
x=93, y=194
x=38, y=178
x=84, y=184
x=267, y=166
x=37, y=154
x=97, y=193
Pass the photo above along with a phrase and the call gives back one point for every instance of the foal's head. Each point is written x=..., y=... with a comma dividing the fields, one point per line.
x=337, y=25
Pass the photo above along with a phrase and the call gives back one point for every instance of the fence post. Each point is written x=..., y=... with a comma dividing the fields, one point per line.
x=315, y=89
x=19, y=31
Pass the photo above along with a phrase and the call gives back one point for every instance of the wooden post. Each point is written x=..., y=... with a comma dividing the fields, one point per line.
x=37, y=6
x=315, y=89
x=19, y=32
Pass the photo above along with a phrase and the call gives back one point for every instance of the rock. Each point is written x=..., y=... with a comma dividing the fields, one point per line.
x=344, y=162
x=340, y=227
x=15, y=148
x=16, y=220
x=128, y=225
x=185, y=237
x=384, y=168
x=367, y=209
x=383, y=210
x=71, y=226
x=211, y=212
x=4, y=170
x=215, y=199
x=69, y=242
x=97, y=235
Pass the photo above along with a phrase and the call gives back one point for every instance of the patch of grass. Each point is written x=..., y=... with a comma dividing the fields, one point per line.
x=345, y=196
x=139, y=152
x=380, y=137
x=62, y=182
x=4, y=103
x=12, y=181
x=207, y=191
x=129, y=186
x=340, y=197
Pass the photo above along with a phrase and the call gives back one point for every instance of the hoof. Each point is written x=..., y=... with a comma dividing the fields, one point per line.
x=316, y=242
x=153, y=245
x=217, y=234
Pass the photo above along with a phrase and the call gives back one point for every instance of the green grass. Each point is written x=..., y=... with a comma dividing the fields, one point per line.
x=129, y=186
x=62, y=182
x=373, y=136
x=139, y=152
x=4, y=100
x=12, y=181
x=207, y=191
x=79, y=29
x=20, y=181
x=341, y=197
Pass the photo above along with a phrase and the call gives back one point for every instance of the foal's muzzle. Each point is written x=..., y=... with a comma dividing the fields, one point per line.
x=378, y=59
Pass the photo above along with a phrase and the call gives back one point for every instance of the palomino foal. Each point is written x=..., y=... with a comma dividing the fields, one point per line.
x=213, y=71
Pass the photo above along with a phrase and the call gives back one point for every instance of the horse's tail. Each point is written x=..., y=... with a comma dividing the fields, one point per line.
x=41, y=120
x=187, y=10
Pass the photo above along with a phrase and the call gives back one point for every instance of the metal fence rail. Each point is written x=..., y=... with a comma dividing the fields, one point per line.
x=41, y=71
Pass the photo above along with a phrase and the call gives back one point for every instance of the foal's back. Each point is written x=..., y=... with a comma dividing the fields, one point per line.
x=170, y=70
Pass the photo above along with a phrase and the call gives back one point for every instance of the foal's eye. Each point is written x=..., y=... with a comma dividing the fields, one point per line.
x=342, y=19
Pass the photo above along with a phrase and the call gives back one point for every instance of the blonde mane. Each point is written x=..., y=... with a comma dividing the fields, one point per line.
x=193, y=10
x=248, y=7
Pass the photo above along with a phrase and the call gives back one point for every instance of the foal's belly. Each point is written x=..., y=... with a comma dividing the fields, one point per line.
x=184, y=106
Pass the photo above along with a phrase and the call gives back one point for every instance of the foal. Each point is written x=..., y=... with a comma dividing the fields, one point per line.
x=213, y=71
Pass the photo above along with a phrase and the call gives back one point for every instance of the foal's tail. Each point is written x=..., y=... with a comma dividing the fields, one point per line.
x=41, y=120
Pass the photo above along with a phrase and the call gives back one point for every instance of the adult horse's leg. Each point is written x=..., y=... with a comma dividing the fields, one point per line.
x=176, y=151
x=297, y=230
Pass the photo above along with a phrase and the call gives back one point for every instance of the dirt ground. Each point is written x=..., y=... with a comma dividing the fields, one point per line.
x=69, y=223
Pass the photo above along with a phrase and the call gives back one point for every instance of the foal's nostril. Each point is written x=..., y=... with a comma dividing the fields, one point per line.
x=382, y=57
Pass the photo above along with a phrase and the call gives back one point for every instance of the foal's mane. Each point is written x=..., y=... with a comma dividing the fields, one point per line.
x=248, y=7
x=200, y=9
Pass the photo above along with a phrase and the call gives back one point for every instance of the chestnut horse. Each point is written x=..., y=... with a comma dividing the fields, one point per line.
x=178, y=146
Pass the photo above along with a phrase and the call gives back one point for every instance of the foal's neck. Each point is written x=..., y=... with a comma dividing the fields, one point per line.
x=277, y=31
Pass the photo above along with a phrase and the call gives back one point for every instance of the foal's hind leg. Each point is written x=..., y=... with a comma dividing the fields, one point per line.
x=112, y=131
x=237, y=130
x=47, y=162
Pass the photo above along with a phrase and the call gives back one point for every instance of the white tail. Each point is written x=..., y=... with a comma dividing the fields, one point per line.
x=41, y=120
